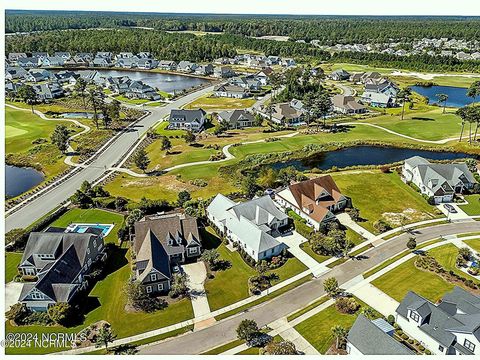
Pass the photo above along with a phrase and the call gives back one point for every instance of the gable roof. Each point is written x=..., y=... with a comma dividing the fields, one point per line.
x=234, y=116
x=369, y=339
x=152, y=256
x=187, y=116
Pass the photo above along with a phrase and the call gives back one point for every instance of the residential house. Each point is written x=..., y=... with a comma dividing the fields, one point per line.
x=376, y=99
x=52, y=61
x=264, y=75
x=223, y=72
x=252, y=224
x=247, y=82
x=146, y=63
x=11, y=88
x=450, y=327
x=37, y=75
x=13, y=57
x=236, y=119
x=315, y=200
x=285, y=113
x=127, y=62
x=297, y=104
x=118, y=85
x=145, y=55
x=383, y=87
x=62, y=54
x=99, y=61
x=186, y=66
x=60, y=262
x=339, y=75
x=66, y=77
x=140, y=90
x=347, y=105
x=48, y=91
x=288, y=62
x=15, y=73
x=231, y=91
x=438, y=181
x=162, y=241
x=125, y=55
x=204, y=70
x=104, y=55
x=374, y=337
x=40, y=55
x=356, y=78
x=193, y=120
x=28, y=62
x=167, y=65
x=370, y=75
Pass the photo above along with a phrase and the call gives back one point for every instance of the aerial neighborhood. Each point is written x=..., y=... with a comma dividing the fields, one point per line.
x=220, y=184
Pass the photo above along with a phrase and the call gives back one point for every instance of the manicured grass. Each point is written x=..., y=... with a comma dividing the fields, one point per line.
x=475, y=233
x=223, y=348
x=320, y=258
x=406, y=277
x=163, y=336
x=474, y=244
x=473, y=206
x=392, y=198
x=446, y=256
x=430, y=124
x=131, y=101
x=249, y=351
x=156, y=103
x=317, y=330
x=268, y=297
x=12, y=260
x=92, y=216
x=307, y=308
x=209, y=102
x=107, y=301
x=292, y=267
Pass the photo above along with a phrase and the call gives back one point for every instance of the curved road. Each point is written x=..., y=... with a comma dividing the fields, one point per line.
x=52, y=198
x=224, y=331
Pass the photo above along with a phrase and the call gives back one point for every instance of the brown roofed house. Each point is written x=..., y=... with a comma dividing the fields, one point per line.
x=347, y=105
x=162, y=241
x=315, y=200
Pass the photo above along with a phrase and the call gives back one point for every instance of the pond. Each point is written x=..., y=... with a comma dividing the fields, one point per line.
x=80, y=115
x=364, y=155
x=457, y=96
x=20, y=179
x=165, y=82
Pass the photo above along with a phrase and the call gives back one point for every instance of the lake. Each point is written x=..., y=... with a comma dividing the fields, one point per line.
x=165, y=82
x=20, y=179
x=457, y=96
x=364, y=155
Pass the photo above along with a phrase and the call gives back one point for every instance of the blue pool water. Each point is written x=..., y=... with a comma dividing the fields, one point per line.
x=80, y=229
x=457, y=96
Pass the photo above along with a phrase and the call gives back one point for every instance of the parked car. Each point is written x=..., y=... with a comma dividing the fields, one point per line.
x=450, y=208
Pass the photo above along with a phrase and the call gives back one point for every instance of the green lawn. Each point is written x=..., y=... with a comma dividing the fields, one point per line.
x=208, y=102
x=474, y=244
x=446, y=256
x=12, y=260
x=107, y=302
x=131, y=101
x=231, y=285
x=223, y=348
x=92, y=216
x=393, y=198
x=473, y=207
x=320, y=258
x=307, y=308
x=406, y=277
x=317, y=329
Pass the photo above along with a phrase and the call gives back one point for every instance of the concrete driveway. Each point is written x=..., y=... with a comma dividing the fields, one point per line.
x=197, y=274
x=12, y=293
x=293, y=240
x=459, y=215
x=376, y=299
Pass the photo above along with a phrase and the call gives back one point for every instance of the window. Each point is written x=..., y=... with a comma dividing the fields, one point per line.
x=440, y=347
x=37, y=295
x=469, y=345
x=148, y=289
x=88, y=251
x=153, y=277
x=160, y=287
x=414, y=316
x=95, y=243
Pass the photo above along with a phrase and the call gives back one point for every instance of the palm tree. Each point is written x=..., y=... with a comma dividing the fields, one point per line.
x=442, y=98
x=28, y=94
x=96, y=100
x=476, y=120
x=80, y=87
x=463, y=113
x=340, y=333
x=270, y=107
x=404, y=95
x=474, y=90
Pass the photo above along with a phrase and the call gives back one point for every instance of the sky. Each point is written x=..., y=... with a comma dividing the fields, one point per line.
x=308, y=7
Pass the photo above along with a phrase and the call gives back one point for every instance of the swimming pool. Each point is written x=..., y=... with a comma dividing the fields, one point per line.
x=82, y=228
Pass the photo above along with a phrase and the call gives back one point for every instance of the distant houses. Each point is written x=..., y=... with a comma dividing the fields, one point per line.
x=347, y=105
x=287, y=113
x=250, y=225
x=236, y=119
x=192, y=120
x=440, y=182
x=340, y=75
x=60, y=263
x=161, y=242
x=315, y=200
x=231, y=91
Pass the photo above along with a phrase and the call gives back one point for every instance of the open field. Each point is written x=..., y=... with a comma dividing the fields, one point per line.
x=388, y=198
x=92, y=216
x=209, y=102
x=473, y=206
x=317, y=330
x=406, y=277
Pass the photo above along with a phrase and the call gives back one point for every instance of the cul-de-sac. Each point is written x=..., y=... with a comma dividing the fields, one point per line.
x=222, y=184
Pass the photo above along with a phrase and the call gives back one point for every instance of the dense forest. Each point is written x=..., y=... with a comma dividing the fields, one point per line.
x=328, y=30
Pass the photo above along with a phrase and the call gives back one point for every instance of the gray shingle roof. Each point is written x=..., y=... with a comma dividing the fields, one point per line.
x=369, y=339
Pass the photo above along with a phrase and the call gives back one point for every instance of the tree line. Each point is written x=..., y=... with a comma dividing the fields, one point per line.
x=327, y=29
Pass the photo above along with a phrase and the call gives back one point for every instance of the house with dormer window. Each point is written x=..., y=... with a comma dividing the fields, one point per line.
x=160, y=242
x=450, y=327
x=438, y=181
x=252, y=225
x=315, y=200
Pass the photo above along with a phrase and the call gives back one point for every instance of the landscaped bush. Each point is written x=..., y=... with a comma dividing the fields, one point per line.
x=347, y=305
x=382, y=226
x=302, y=228
x=199, y=182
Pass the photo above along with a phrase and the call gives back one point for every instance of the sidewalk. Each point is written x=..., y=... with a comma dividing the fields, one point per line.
x=347, y=221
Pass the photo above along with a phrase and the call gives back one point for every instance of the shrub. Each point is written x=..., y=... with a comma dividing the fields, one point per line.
x=382, y=226
x=346, y=305
x=302, y=228
x=59, y=313
x=391, y=319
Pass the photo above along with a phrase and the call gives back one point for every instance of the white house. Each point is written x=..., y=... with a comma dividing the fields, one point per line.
x=451, y=327
x=250, y=224
x=440, y=181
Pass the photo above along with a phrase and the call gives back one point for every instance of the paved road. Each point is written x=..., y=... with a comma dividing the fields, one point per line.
x=346, y=90
x=224, y=331
x=51, y=199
